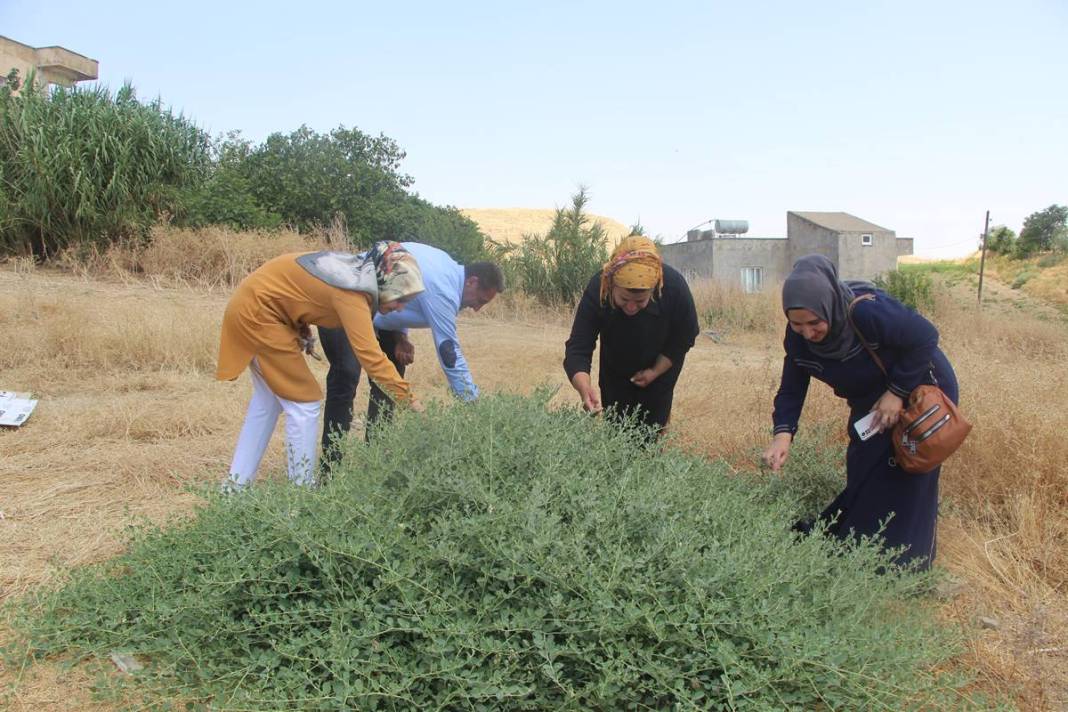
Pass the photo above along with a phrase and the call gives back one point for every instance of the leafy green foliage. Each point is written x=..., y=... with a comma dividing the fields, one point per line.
x=913, y=288
x=1044, y=230
x=445, y=228
x=813, y=477
x=306, y=179
x=556, y=267
x=309, y=178
x=1023, y=278
x=79, y=167
x=227, y=197
x=497, y=556
x=1000, y=240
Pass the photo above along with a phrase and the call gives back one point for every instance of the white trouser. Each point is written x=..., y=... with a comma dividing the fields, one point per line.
x=302, y=429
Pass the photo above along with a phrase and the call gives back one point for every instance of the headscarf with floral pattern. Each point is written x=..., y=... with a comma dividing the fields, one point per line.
x=635, y=264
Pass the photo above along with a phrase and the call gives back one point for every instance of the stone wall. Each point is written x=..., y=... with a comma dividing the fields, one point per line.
x=693, y=259
x=735, y=253
x=808, y=238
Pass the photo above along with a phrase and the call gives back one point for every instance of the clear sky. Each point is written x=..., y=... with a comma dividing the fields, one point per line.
x=918, y=116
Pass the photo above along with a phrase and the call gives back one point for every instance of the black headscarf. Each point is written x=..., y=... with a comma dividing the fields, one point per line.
x=814, y=285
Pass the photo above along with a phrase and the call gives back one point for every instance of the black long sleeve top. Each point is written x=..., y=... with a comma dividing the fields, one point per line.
x=668, y=326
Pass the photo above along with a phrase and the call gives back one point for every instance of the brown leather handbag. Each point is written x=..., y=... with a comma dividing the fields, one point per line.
x=931, y=427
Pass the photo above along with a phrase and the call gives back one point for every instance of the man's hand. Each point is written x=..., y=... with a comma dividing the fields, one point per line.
x=888, y=410
x=417, y=405
x=644, y=377
x=404, y=351
x=777, y=452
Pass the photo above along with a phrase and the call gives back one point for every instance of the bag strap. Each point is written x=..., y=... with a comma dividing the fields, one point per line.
x=849, y=313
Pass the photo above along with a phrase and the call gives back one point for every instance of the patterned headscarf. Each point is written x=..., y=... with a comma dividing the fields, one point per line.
x=814, y=285
x=387, y=271
x=635, y=264
x=396, y=271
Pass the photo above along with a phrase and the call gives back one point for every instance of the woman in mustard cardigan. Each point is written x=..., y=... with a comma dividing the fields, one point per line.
x=264, y=326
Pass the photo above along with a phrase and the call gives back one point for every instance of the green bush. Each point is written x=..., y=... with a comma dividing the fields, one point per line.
x=556, y=267
x=1023, y=278
x=1047, y=261
x=307, y=180
x=82, y=168
x=1000, y=240
x=497, y=556
x=226, y=196
x=912, y=288
x=814, y=475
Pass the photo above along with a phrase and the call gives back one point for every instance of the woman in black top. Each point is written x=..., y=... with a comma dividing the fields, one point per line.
x=644, y=314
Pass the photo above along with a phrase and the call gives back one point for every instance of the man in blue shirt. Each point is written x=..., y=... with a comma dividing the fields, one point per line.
x=450, y=287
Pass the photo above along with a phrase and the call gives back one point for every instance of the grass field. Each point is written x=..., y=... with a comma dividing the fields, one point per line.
x=121, y=354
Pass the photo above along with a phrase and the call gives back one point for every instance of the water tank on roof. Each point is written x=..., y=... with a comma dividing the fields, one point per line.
x=731, y=227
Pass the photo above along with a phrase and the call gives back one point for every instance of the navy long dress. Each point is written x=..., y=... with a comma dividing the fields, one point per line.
x=875, y=486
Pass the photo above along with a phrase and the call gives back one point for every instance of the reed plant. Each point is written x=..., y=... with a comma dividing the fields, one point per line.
x=83, y=168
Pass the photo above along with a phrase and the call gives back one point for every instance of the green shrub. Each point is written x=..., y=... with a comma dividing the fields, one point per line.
x=1000, y=240
x=1023, y=278
x=226, y=196
x=813, y=476
x=497, y=556
x=912, y=288
x=1047, y=261
x=308, y=180
x=81, y=168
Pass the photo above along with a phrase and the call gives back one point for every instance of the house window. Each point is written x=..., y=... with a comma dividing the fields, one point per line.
x=865, y=240
x=752, y=279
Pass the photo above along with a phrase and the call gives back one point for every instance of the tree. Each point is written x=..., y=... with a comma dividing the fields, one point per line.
x=447, y=229
x=227, y=197
x=1000, y=240
x=1044, y=230
x=308, y=178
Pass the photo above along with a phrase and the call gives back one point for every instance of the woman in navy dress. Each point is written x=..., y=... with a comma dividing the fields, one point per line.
x=821, y=344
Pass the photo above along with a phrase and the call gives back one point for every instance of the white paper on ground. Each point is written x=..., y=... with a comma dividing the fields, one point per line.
x=15, y=408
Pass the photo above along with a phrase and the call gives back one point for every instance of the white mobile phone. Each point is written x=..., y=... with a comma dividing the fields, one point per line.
x=866, y=426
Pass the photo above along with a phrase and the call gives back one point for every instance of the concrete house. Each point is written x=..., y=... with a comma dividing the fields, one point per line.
x=860, y=249
x=50, y=65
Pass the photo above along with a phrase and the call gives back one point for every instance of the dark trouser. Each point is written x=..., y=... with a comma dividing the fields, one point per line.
x=341, y=382
x=651, y=405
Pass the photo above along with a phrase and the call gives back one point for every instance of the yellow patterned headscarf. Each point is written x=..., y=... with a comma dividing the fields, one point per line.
x=635, y=264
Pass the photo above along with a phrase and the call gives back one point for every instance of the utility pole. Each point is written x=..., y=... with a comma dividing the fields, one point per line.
x=982, y=258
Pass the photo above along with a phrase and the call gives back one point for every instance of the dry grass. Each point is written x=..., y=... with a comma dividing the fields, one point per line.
x=1049, y=280
x=511, y=225
x=207, y=258
x=130, y=415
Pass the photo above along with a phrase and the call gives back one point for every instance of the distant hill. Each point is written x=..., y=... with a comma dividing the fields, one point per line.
x=509, y=225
